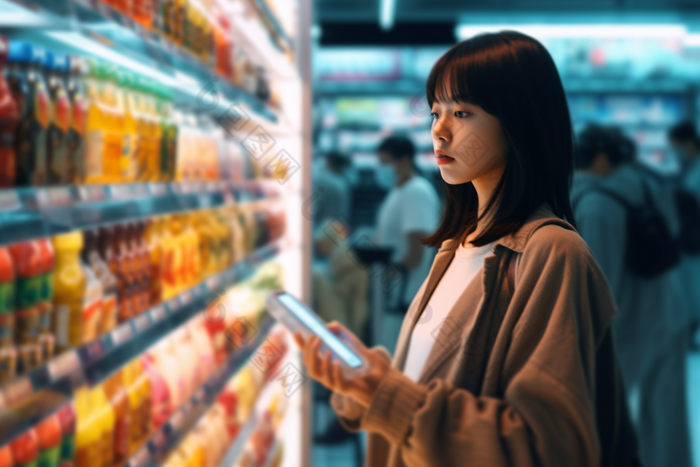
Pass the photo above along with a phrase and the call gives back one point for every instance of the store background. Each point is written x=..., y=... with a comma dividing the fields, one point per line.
x=630, y=63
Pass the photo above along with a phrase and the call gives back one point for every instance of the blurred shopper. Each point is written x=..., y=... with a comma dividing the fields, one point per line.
x=686, y=144
x=410, y=212
x=340, y=288
x=505, y=357
x=616, y=204
x=331, y=184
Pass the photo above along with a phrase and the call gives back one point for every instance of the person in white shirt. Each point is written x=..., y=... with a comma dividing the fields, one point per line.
x=410, y=212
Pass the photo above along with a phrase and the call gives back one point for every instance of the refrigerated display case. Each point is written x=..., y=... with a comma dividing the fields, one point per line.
x=153, y=159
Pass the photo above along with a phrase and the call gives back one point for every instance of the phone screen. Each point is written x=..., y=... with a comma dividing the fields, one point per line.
x=320, y=329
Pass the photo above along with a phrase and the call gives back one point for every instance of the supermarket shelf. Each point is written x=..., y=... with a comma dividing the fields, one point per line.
x=92, y=28
x=239, y=443
x=27, y=213
x=29, y=398
x=183, y=420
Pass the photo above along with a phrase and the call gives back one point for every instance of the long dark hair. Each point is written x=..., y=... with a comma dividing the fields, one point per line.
x=512, y=77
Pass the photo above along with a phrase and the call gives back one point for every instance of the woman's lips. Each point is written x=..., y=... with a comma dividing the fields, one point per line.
x=442, y=157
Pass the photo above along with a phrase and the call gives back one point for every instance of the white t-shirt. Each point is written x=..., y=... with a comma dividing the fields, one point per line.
x=412, y=207
x=465, y=266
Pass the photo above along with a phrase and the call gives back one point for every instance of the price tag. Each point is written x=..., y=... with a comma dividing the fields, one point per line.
x=159, y=313
x=18, y=390
x=9, y=200
x=142, y=322
x=158, y=189
x=185, y=298
x=121, y=191
x=139, y=191
x=91, y=351
x=91, y=193
x=174, y=305
x=122, y=333
x=59, y=196
x=63, y=365
x=177, y=420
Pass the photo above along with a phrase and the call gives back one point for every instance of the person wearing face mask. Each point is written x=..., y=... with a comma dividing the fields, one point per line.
x=506, y=355
x=685, y=142
x=409, y=212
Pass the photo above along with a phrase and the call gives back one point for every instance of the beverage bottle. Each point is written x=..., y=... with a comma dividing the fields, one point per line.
x=29, y=268
x=70, y=287
x=132, y=144
x=153, y=237
x=138, y=280
x=171, y=258
x=109, y=245
x=88, y=433
x=119, y=400
x=67, y=418
x=25, y=449
x=47, y=340
x=58, y=160
x=142, y=12
x=169, y=130
x=74, y=78
x=110, y=286
x=8, y=353
x=190, y=245
x=105, y=127
x=144, y=260
x=49, y=433
x=93, y=301
x=106, y=421
x=162, y=406
x=9, y=116
x=6, y=456
x=29, y=92
x=138, y=389
x=155, y=129
x=125, y=260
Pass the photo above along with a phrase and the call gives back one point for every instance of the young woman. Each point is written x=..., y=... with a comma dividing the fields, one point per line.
x=505, y=357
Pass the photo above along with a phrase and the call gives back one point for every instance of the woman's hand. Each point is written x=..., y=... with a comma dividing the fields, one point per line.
x=320, y=367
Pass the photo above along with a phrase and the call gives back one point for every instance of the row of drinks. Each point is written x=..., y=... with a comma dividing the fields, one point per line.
x=204, y=28
x=104, y=425
x=68, y=120
x=64, y=292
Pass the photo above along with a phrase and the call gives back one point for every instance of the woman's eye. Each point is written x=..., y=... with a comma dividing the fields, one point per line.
x=434, y=115
x=461, y=113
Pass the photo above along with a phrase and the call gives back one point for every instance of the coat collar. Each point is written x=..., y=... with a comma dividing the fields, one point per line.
x=474, y=295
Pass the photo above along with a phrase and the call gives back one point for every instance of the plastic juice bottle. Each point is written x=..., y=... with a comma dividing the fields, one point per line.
x=142, y=12
x=172, y=258
x=138, y=387
x=26, y=257
x=106, y=422
x=168, y=142
x=110, y=286
x=8, y=353
x=66, y=416
x=123, y=262
x=144, y=255
x=88, y=433
x=74, y=78
x=47, y=340
x=6, y=456
x=25, y=449
x=70, y=285
x=108, y=247
x=29, y=92
x=105, y=127
x=139, y=108
x=162, y=406
x=131, y=147
x=49, y=432
x=9, y=116
x=139, y=281
x=190, y=241
x=57, y=151
x=153, y=236
x=119, y=400
x=155, y=132
x=92, y=305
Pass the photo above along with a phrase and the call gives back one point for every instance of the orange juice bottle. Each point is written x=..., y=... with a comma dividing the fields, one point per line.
x=126, y=102
x=172, y=258
x=88, y=435
x=69, y=283
x=191, y=253
x=150, y=130
x=105, y=423
x=105, y=127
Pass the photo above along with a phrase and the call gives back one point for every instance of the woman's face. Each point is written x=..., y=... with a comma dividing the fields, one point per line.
x=468, y=142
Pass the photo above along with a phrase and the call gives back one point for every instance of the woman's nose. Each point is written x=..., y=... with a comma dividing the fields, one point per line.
x=440, y=130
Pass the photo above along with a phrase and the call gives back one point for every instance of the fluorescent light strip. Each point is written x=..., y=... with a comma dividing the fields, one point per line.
x=387, y=11
x=579, y=30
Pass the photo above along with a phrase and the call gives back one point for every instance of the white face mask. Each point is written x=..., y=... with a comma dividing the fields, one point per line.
x=385, y=176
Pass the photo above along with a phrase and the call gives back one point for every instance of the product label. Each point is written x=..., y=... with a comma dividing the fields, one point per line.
x=7, y=298
x=29, y=291
x=91, y=320
x=112, y=156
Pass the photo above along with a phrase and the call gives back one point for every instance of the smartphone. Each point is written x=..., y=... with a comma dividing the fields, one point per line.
x=297, y=317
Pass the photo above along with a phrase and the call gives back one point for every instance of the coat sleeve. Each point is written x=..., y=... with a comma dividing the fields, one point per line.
x=546, y=415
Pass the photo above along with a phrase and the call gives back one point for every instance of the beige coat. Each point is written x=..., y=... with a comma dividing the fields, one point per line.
x=535, y=382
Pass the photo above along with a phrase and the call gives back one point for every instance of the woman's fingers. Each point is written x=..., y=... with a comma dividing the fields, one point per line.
x=314, y=348
x=338, y=380
x=342, y=332
x=299, y=340
x=326, y=370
